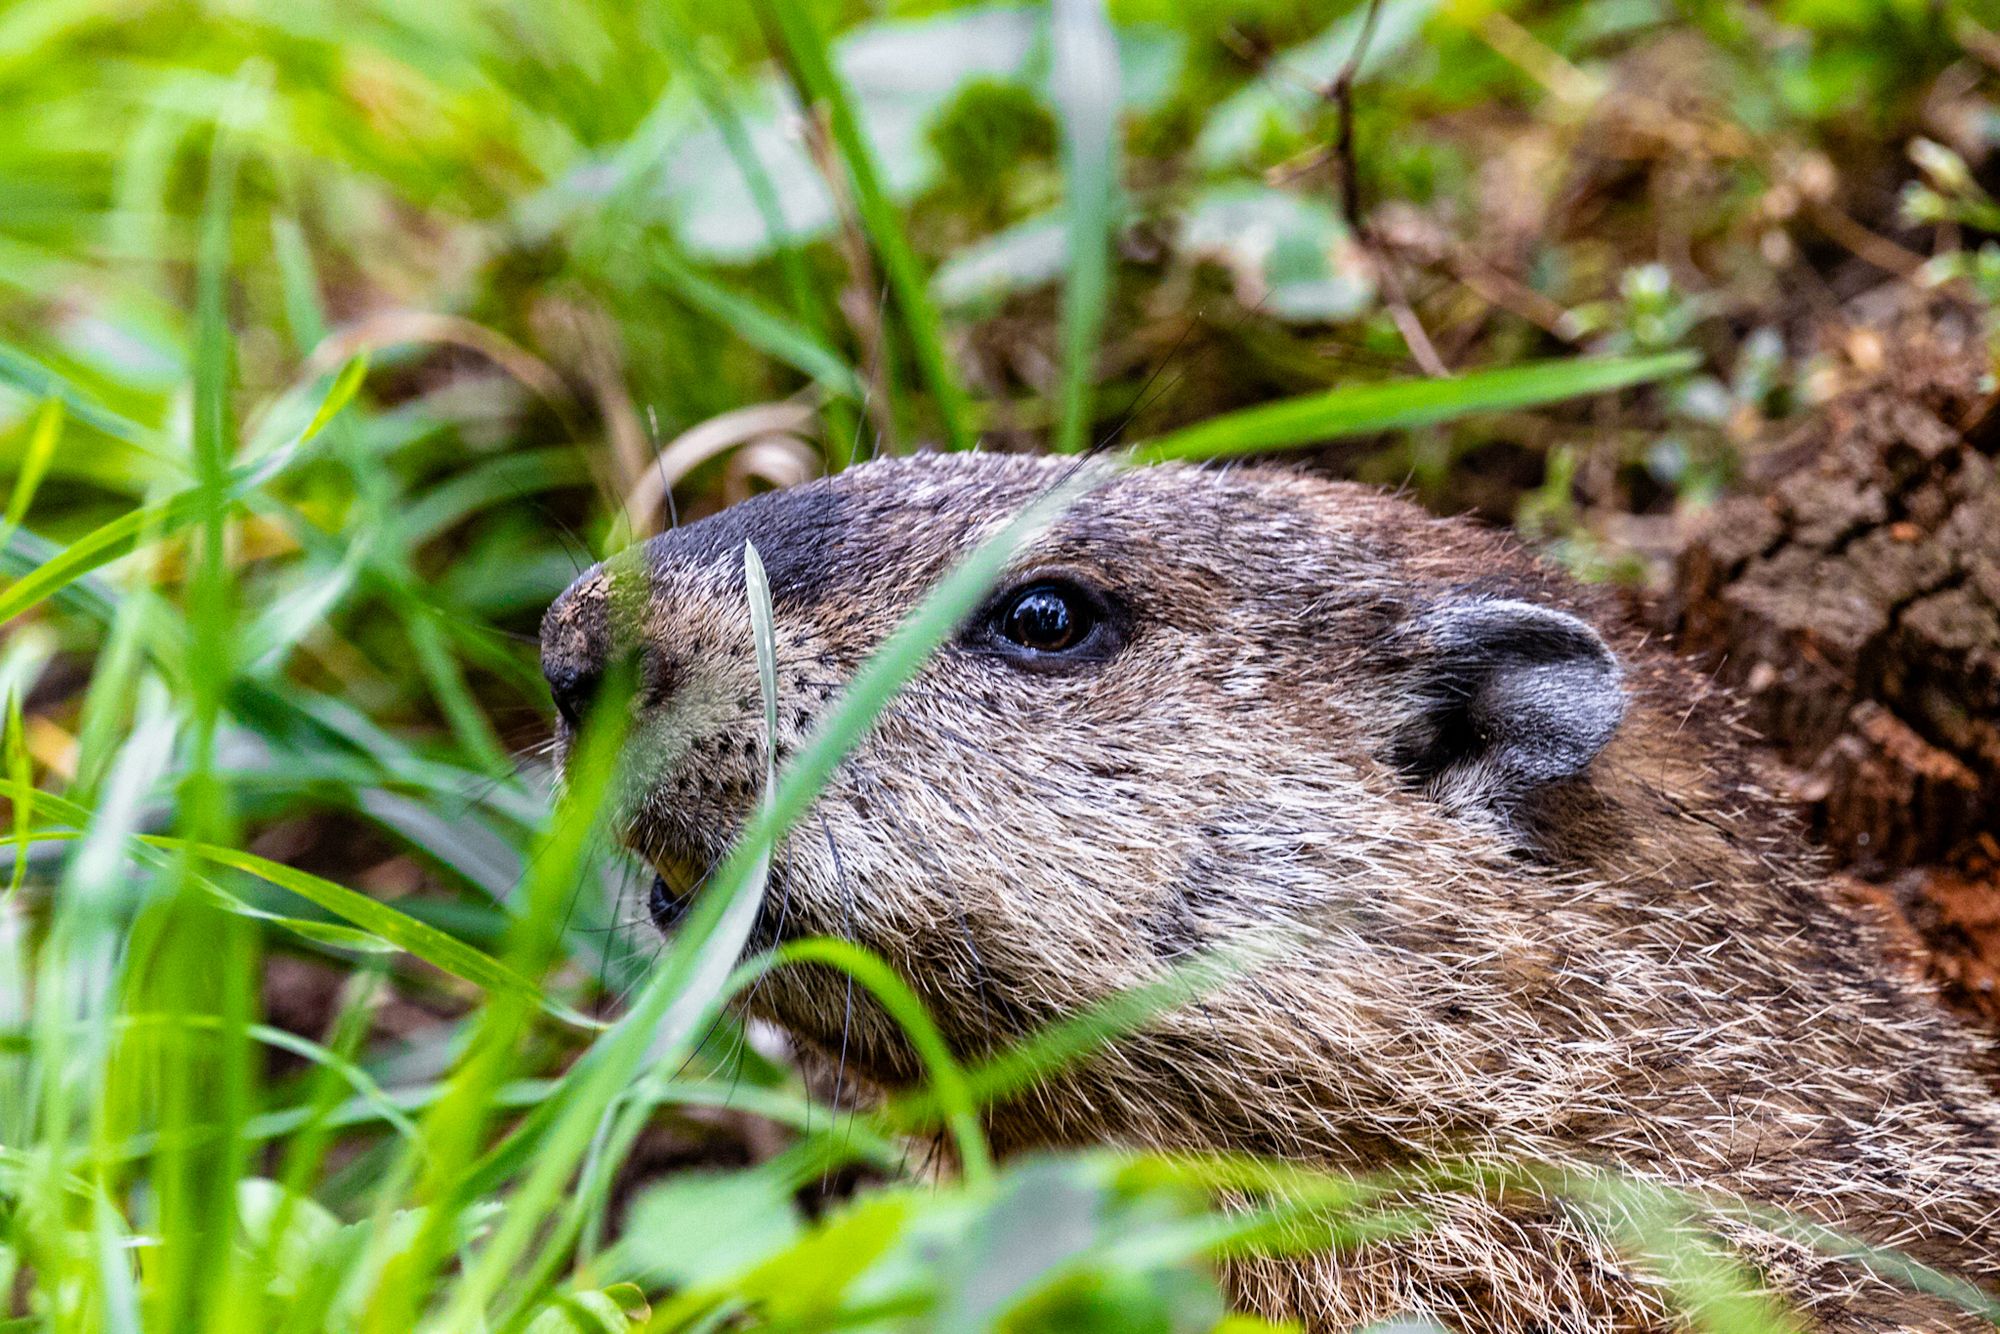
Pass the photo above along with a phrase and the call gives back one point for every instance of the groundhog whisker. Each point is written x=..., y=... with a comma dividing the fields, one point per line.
x=695, y=1051
x=1142, y=399
x=907, y=835
x=844, y=893
x=586, y=876
x=777, y=936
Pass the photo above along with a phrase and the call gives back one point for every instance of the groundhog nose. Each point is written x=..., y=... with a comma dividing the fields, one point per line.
x=586, y=652
x=576, y=646
x=574, y=684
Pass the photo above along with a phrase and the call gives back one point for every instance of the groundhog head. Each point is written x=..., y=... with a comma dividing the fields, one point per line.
x=1201, y=702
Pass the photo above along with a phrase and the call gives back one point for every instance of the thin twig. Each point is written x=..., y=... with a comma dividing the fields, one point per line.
x=1498, y=288
x=1341, y=94
x=1869, y=246
x=1395, y=298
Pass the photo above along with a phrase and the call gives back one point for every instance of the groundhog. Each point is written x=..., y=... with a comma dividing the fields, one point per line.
x=1542, y=910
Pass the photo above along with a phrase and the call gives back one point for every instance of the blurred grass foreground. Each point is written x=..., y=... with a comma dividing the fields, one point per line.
x=336, y=338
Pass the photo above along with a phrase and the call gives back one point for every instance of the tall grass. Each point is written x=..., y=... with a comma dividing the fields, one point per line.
x=268, y=588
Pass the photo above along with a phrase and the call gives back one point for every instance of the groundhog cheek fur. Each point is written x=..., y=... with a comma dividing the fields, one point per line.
x=1539, y=908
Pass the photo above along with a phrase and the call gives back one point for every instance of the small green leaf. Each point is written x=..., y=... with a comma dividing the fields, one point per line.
x=611, y=1310
x=345, y=386
x=1044, y=1218
x=1017, y=259
x=811, y=1278
x=1289, y=256
x=263, y=1205
x=38, y=381
x=1279, y=105
x=706, y=1227
x=42, y=438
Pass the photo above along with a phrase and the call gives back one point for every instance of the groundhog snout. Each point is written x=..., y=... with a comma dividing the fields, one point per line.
x=577, y=646
x=668, y=610
x=573, y=684
x=585, y=643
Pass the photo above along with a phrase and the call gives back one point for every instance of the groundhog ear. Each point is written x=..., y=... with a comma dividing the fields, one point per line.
x=1508, y=697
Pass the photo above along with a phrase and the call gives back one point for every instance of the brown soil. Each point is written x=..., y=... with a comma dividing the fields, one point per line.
x=1852, y=595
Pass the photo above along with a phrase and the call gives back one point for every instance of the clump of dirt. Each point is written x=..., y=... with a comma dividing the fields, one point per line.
x=1851, y=594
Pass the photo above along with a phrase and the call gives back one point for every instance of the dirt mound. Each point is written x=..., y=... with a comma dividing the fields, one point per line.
x=1852, y=596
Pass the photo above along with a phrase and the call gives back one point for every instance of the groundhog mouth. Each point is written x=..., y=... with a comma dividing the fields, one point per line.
x=676, y=880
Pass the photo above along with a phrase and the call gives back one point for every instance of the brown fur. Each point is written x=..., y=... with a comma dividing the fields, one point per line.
x=1640, y=968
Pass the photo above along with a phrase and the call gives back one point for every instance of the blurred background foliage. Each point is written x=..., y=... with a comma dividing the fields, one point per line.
x=492, y=288
x=625, y=201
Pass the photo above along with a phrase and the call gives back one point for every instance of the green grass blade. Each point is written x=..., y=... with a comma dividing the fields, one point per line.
x=42, y=438
x=685, y=50
x=1717, y=1289
x=89, y=598
x=899, y=659
x=803, y=49
x=305, y=1153
x=762, y=329
x=687, y=984
x=617, y=1135
x=20, y=666
x=1904, y=1270
x=536, y=1097
x=425, y=632
x=287, y=620
x=338, y=1064
x=20, y=776
x=456, y=1128
x=439, y=949
x=31, y=377
x=810, y=307
x=94, y=549
x=948, y=1082
x=78, y=984
x=1086, y=94
x=1071, y=1040
x=204, y=963
x=317, y=932
x=167, y=517
x=764, y=635
x=338, y=395
x=116, y=1286
x=1402, y=404
x=299, y=280
x=406, y=933
x=511, y=477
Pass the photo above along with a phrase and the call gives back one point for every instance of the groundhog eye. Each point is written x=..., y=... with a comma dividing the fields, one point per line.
x=1046, y=619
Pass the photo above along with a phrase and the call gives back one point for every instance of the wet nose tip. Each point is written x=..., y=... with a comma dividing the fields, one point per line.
x=574, y=685
x=576, y=645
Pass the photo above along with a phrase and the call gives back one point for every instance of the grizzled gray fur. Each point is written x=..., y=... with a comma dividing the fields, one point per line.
x=1551, y=913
